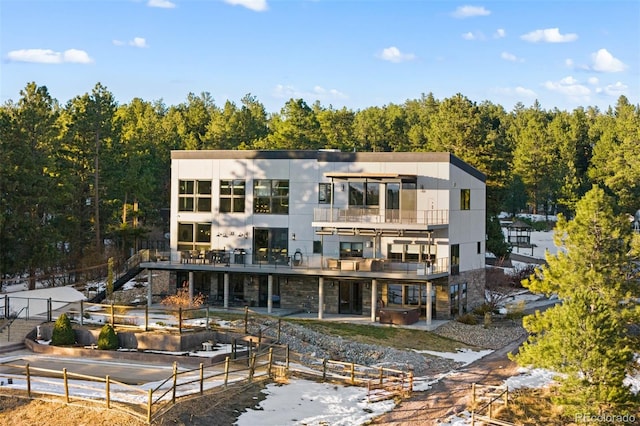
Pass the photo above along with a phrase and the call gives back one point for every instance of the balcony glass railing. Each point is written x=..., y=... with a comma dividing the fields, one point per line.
x=373, y=215
x=332, y=261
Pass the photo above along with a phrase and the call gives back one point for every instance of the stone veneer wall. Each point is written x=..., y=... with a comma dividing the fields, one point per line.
x=161, y=284
x=475, y=280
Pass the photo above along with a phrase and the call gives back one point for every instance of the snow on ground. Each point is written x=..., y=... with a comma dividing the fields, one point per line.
x=303, y=402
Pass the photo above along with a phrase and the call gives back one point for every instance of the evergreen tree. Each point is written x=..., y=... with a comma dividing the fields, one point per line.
x=107, y=339
x=585, y=339
x=63, y=333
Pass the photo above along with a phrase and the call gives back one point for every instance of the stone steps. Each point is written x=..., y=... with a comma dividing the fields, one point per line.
x=18, y=330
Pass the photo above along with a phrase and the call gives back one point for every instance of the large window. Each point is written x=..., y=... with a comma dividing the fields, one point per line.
x=364, y=194
x=455, y=259
x=412, y=252
x=194, y=236
x=348, y=250
x=454, y=295
x=232, y=195
x=194, y=196
x=271, y=196
x=324, y=193
x=270, y=245
x=465, y=199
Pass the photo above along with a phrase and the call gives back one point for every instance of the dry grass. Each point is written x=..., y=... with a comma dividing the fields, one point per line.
x=532, y=407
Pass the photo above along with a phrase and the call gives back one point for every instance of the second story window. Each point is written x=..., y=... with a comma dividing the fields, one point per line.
x=465, y=199
x=271, y=196
x=232, y=196
x=324, y=193
x=364, y=194
x=455, y=259
x=194, y=196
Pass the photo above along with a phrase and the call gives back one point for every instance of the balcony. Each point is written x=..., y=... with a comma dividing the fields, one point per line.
x=368, y=217
x=330, y=264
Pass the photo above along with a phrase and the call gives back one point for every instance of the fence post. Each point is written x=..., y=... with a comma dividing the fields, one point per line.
x=246, y=319
x=324, y=369
x=252, y=367
x=82, y=312
x=226, y=371
x=287, y=359
x=250, y=346
x=201, y=378
x=149, y=404
x=207, y=326
x=146, y=318
x=179, y=320
x=113, y=316
x=175, y=381
x=107, y=399
x=270, y=362
x=6, y=306
x=353, y=373
x=28, y=380
x=410, y=381
x=49, y=310
x=473, y=394
x=66, y=385
x=506, y=396
x=381, y=374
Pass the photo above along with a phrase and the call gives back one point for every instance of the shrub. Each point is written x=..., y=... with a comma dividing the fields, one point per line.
x=468, y=319
x=484, y=308
x=63, y=333
x=108, y=339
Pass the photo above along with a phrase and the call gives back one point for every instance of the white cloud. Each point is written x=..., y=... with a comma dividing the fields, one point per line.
x=470, y=11
x=615, y=90
x=48, y=56
x=570, y=87
x=568, y=63
x=593, y=80
x=500, y=33
x=393, y=54
x=255, y=5
x=549, y=35
x=118, y=43
x=517, y=91
x=510, y=57
x=478, y=35
x=468, y=36
x=317, y=93
x=164, y=4
x=603, y=61
x=138, y=42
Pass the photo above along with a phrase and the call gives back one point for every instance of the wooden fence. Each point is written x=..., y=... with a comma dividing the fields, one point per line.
x=483, y=398
x=147, y=404
x=141, y=403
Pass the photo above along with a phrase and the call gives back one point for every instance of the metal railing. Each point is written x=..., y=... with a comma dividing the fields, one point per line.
x=302, y=261
x=366, y=216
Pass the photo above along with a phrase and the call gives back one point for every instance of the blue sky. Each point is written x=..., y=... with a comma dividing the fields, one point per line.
x=354, y=54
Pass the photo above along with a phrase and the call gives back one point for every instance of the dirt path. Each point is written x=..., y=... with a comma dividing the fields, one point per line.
x=451, y=394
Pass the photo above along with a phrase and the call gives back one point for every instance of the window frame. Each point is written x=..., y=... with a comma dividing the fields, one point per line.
x=232, y=200
x=465, y=199
x=195, y=195
x=271, y=196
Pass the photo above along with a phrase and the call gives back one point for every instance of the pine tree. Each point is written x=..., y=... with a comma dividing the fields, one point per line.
x=108, y=339
x=585, y=339
x=63, y=333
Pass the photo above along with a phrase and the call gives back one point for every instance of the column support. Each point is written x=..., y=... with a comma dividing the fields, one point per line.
x=191, y=285
x=226, y=290
x=320, y=298
x=429, y=291
x=374, y=299
x=269, y=293
x=149, y=285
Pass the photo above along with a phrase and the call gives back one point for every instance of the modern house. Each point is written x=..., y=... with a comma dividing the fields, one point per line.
x=328, y=231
